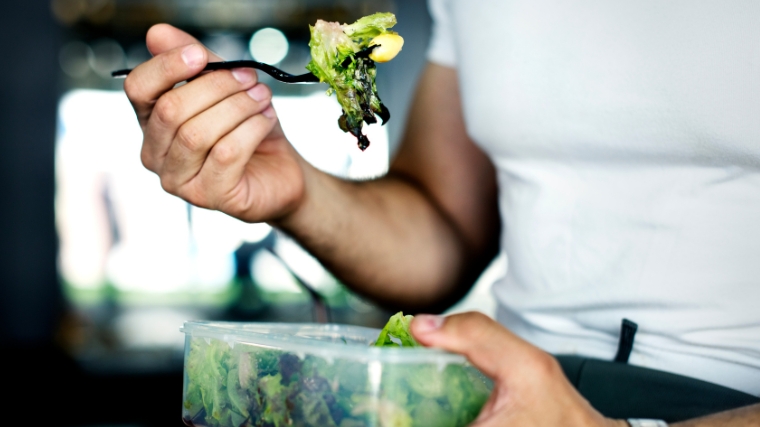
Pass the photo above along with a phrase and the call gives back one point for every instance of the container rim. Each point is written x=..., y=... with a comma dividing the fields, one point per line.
x=283, y=336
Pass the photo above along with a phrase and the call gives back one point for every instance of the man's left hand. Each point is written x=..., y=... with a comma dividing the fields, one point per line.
x=530, y=388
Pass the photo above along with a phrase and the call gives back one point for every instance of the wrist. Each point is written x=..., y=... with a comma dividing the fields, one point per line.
x=298, y=213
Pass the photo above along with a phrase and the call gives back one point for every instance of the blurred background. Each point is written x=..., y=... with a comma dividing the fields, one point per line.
x=98, y=266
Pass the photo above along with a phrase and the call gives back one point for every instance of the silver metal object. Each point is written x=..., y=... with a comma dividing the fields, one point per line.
x=636, y=422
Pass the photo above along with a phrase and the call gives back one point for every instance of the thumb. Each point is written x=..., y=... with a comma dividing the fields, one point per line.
x=487, y=345
x=164, y=37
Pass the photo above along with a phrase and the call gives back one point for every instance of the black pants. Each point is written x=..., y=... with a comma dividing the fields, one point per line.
x=619, y=390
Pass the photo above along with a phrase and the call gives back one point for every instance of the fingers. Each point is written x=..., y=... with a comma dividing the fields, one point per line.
x=178, y=56
x=227, y=161
x=146, y=83
x=489, y=346
x=164, y=37
x=178, y=106
x=205, y=132
x=530, y=387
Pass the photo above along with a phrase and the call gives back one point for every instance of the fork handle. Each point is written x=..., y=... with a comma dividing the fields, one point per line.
x=227, y=65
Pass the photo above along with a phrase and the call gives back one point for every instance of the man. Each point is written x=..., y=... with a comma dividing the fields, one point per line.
x=616, y=143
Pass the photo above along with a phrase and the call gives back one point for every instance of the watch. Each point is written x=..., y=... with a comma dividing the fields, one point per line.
x=636, y=422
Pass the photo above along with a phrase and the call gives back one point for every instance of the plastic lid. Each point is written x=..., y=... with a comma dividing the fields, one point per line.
x=328, y=341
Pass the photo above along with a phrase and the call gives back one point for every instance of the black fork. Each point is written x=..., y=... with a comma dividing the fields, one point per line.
x=275, y=72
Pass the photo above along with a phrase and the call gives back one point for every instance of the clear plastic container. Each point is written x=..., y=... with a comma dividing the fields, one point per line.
x=277, y=375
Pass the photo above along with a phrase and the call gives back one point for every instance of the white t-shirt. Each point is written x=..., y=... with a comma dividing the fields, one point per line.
x=626, y=136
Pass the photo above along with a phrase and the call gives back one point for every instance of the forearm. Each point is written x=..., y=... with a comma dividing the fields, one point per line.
x=742, y=417
x=385, y=238
x=418, y=237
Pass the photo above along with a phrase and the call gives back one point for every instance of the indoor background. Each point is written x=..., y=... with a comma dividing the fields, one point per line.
x=98, y=266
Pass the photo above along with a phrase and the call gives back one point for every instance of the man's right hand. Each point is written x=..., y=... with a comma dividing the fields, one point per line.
x=415, y=238
x=215, y=141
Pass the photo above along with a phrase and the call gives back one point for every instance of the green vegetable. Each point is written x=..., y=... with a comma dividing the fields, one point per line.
x=247, y=386
x=397, y=327
x=432, y=413
x=340, y=58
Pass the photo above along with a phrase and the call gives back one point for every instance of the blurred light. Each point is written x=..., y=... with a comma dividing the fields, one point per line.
x=75, y=58
x=157, y=250
x=107, y=56
x=101, y=11
x=253, y=233
x=137, y=54
x=229, y=46
x=68, y=12
x=150, y=328
x=358, y=304
x=305, y=266
x=268, y=45
x=223, y=13
x=219, y=232
x=311, y=125
x=271, y=275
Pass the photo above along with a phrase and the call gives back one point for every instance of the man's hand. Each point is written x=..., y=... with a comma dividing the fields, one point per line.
x=530, y=388
x=416, y=238
x=215, y=141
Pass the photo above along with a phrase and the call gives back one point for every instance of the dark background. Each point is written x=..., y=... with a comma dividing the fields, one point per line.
x=46, y=385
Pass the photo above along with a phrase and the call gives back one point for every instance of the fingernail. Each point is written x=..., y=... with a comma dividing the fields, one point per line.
x=426, y=323
x=258, y=92
x=243, y=75
x=269, y=113
x=192, y=55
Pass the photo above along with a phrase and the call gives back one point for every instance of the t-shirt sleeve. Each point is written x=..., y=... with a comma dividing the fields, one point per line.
x=441, y=50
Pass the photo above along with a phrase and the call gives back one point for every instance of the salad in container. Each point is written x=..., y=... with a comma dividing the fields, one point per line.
x=278, y=374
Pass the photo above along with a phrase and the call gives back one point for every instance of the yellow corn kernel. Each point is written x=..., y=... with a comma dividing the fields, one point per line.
x=388, y=46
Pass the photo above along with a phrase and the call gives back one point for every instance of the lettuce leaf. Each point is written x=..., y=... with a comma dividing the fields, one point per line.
x=397, y=327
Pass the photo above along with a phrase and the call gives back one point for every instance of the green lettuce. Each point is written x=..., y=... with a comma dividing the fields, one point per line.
x=248, y=386
x=339, y=57
x=397, y=327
